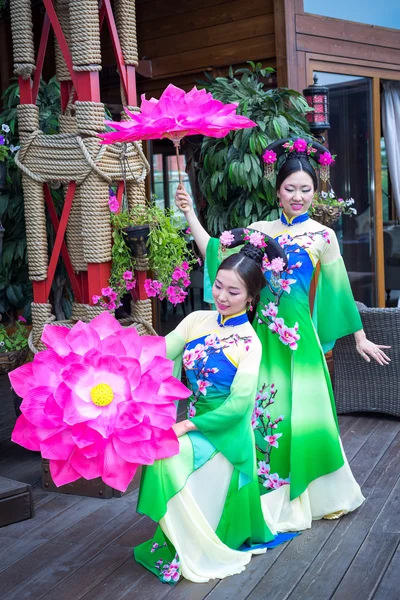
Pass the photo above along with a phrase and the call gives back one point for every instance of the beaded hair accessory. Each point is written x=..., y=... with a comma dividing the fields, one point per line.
x=297, y=148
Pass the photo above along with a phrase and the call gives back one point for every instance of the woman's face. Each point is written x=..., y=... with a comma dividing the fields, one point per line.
x=296, y=194
x=229, y=293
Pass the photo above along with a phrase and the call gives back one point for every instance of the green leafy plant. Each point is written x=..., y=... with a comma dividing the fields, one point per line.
x=14, y=337
x=15, y=287
x=168, y=255
x=322, y=198
x=230, y=174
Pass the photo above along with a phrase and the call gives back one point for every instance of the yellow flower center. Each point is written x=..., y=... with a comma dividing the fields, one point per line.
x=102, y=394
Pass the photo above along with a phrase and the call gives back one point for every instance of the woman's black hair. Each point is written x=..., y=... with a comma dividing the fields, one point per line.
x=247, y=264
x=293, y=165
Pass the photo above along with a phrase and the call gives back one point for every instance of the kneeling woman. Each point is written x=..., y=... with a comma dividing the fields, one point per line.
x=206, y=499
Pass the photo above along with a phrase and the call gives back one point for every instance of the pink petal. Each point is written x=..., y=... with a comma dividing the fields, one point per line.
x=147, y=388
x=131, y=341
x=117, y=473
x=142, y=453
x=82, y=337
x=54, y=337
x=173, y=389
x=166, y=443
x=105, y=325
x=129, y=414
x=58, y=446
x=105, y=422
x=161, y=415
x=159, y=366
x=77, y=410
x=46, y=368
x=22, y=379
x=112, y=345
x=33, y=407
x=152, y=346
x=80, y=379
x=141, y=432
x=27, y=435
x=87, y=468
x=62, y=472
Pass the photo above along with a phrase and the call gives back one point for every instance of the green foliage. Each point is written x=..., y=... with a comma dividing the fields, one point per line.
x=167, y=246
x=15, y=287
x=13, y=337
x=231, y=174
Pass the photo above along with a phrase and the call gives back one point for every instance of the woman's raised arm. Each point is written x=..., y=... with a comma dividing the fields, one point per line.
x=185, y=204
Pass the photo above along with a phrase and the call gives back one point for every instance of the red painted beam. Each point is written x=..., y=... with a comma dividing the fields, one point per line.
x=62, y=42
x=40, y=292
x=98, y=276
x=64, y=250
x=87, y=86
x=40, y=57
x=60, y=233
x=65, y=92
x=25, y=91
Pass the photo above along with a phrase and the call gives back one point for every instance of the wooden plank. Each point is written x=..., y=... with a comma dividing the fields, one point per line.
x=71, y=515
x=346, y=422
x=142, y=531
x=354, y=66
x=365, y=572
x=15, y=551
x=75, y=557
x=379, y=252
x=43, y=514
x=339, y=30
x=121, y=583
x=285, y=44
x=358, y=435
x=159, y=9
x=351, y=531
x=220, y=55
x=347, y=49
x=390, y=580
x=96, y=520
x=388, y=520
x=199, y=18
x=293, y=563
x=86, y=578
x=28, y=566
x=208, y=36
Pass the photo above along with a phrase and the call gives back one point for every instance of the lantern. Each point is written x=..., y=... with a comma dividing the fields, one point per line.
x=317, y=96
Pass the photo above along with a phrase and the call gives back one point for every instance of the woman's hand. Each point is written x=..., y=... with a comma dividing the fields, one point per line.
x=369, y=350
x=183, y=427
x=183, y=201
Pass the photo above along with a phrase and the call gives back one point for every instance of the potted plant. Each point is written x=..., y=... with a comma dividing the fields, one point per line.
x=14, y=347
x=327, y=208
x=152, y=233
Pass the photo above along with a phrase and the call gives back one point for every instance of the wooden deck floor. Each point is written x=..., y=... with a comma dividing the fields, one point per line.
x=81, y=548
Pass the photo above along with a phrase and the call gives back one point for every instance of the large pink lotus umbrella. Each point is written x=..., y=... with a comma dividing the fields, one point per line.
x=175, y=115
x=98, y=402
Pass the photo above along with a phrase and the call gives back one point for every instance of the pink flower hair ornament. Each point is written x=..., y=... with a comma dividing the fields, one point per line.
x=296, y=148
x=98, y=402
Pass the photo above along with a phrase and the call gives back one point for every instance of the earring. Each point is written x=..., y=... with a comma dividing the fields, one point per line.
x=250, y=307
x=280, y=204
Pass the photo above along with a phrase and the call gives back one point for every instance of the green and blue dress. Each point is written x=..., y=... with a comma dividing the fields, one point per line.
x=206, y=499
x=302, y=470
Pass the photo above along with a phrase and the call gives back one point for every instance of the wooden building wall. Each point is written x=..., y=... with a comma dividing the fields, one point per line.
x=311, y=38
x=183, y=38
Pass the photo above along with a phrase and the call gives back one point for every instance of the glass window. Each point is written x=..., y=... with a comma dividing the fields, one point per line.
x=384, y=14
x=350, y=138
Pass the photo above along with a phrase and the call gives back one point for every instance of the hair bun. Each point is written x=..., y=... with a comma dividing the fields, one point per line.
x=254, y=253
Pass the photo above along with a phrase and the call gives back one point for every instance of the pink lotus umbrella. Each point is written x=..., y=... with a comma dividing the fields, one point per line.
x=175, y=115
x=98, y=402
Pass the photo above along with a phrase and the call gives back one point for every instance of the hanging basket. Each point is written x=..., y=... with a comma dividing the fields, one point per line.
x=327, y=215
x=136, y=239
x=11, y=360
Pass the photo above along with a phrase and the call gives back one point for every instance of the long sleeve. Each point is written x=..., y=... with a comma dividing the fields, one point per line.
x=335, y=312
x=228, y=427
x=212, y=262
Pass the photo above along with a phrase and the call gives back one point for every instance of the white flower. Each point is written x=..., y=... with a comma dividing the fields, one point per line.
x=14, y=148
x=324, y=195
x=5, y=128
x=331, y=194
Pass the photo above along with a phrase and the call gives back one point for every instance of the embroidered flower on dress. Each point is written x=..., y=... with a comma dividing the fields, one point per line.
x=273, y=439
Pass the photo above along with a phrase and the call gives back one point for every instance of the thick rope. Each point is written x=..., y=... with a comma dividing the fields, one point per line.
x=62, y=10
x=85, y=35
x=125, y=16
x=22, y=37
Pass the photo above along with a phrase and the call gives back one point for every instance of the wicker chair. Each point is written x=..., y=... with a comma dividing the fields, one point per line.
x=362, y=386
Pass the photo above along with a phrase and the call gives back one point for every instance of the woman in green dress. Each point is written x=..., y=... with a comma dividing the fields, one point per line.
x=206, y=499
x=302, y=469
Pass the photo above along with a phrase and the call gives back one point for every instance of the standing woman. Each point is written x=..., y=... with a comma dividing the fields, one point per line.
x=302, y=469
x=206, y=499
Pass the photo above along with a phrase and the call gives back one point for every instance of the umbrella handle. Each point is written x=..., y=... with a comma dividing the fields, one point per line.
x=177, y=145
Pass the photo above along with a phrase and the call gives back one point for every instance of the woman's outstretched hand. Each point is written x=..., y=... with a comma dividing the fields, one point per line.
x=183, y=427
x=183, y=201
x=369, y=350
